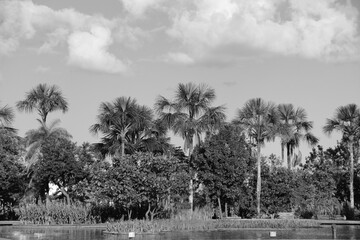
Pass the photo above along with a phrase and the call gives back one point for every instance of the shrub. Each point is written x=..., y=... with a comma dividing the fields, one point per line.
x=142, y=226
x=55, y=213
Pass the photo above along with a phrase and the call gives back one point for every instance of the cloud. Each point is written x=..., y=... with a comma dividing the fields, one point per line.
x=89, y=50
x=24, y=20
x=325, y=29
x=139, y=7
x=54, y=39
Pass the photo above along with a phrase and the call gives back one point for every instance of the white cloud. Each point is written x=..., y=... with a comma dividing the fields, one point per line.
x=324, y=29
x=55, y=38
x=24, y=20
x=89, y=50
x=139, y=7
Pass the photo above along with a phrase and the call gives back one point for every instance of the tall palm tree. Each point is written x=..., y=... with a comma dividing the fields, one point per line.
x=34, y=140
x=6, y=118
x=346, y=121
x=119, y=119
x=259, y=120
x=44, y=99
x=293, y=127
x=189, y=115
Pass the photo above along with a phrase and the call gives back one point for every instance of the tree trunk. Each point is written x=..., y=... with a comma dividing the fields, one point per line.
x=122, y=147
x=191, y=186
x=226, y=209
x=352, y=204
x=66, y=195
x=282, y=152
x=258, y=184
x=191, y=195
x=147, y=213
x=220, y=211
x=288, y=151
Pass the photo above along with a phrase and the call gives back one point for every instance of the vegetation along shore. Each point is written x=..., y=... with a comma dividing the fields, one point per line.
x=134, y=178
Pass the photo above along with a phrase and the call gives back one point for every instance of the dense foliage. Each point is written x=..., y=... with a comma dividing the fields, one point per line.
x=135, y=173
x=12, y=175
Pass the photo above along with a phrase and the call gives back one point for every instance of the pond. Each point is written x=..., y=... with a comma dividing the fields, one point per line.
x=81, y=233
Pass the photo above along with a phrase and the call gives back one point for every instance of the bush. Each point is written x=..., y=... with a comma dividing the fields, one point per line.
x=54, y=213
x=141, y=226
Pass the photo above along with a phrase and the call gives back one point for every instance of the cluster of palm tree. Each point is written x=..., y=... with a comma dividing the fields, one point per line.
x=264, y=121
x=127, y=126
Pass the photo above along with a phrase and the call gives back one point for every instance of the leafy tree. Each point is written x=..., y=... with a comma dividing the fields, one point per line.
x=223, y=164
x=59, y=166
x=277, y=190
x=294, y=127
x=324, y=169
x=140, y=185
x=259, y=119
x=346, y=121
x=189, y=115
x=12, y=177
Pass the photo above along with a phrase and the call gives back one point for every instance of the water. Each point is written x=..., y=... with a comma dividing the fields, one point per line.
x=79, y=233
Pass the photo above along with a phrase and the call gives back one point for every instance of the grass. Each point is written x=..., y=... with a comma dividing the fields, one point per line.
x=156, y=226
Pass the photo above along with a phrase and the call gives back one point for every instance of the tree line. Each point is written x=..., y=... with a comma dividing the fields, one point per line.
x=135, y=172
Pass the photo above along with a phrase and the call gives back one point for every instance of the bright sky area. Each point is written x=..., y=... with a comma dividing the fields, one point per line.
x=287, y=51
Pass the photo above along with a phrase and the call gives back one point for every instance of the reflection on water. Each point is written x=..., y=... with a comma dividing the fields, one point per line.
x=79, y=233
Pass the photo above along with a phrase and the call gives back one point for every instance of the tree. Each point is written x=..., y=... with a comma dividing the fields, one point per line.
x=259, y=120
x=44, y=99
x=346, y=121
x=277, y=190
x=6, y=118
x=223, y=164
x=189, y=115
x=35, y=139
x=117, y=121
x=294, y=127
x=12, y=175
x=59, y=166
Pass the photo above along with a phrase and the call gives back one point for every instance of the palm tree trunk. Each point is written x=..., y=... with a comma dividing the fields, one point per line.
x=258, y=184
x=122, y=146
x=191, y=187
x=288, y=151
x=352, y=204
x=282, y=152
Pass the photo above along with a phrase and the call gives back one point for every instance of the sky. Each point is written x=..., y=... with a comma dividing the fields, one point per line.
x=286, y=51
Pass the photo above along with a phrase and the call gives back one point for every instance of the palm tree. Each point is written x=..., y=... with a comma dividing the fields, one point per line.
x=293, y=127
x=34, y=140
x=189, y=115
x=36, y=137
x=259, y=120
x=44, y=99
x=6, y=118
x=346, y=121
x=117, y=121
